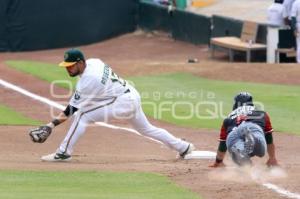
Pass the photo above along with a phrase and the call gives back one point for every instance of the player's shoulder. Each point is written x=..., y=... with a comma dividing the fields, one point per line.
x=227, y=120
x=260, y=113
x=93, y=67
x=85, y=81
x=259, y=110
x=94, y=61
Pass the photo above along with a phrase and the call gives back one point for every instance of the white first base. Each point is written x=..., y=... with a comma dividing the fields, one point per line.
x=200, y=155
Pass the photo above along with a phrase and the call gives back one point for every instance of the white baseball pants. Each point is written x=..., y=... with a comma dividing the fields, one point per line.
x=126, y=107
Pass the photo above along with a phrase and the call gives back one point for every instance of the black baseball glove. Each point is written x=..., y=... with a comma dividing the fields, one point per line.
x=40, y=134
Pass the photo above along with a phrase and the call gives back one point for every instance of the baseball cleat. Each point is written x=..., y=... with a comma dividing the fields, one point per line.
x=56, y=157
x=189, y=150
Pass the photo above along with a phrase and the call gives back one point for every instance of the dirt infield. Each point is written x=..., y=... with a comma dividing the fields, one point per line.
x=107, y=149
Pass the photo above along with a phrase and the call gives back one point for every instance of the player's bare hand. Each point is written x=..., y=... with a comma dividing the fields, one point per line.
x=216, y=165
x=272, y=162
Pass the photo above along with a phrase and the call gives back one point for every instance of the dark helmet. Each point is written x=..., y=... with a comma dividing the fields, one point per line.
x=241, y=99
x=278, y=1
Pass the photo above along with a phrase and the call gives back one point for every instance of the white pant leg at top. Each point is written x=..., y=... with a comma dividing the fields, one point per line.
x=125, y=107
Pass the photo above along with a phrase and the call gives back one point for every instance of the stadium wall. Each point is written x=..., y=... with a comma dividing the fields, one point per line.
x=34, y=25
x=184, y=26
x=190, y=27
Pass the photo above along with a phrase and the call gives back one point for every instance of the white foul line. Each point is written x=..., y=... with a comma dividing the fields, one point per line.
x=273, y=187
x=281, y=191
x=31, y=95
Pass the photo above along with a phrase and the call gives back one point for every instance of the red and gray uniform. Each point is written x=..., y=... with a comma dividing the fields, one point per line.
x=245, y=113
x=246, y=117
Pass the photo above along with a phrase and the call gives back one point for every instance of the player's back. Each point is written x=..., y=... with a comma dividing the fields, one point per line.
x=97, y=85
x=245, y=113
x=104, y=80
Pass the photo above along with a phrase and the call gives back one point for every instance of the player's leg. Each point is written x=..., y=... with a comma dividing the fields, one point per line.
x=260, y=146
x=248, y=137
x=101, y=113
x=143, y=126
x=77, y=129
x=235, y=143
x=234, y=140
x=63, y=153
x=259, y=141
x=140, y=123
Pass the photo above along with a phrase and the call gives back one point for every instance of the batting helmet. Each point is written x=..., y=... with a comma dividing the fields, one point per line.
x=241, y=99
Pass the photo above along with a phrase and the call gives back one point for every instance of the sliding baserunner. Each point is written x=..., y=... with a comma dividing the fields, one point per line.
x=246, y=132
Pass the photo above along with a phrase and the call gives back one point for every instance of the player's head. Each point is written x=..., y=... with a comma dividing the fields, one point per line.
x=278, y=1
x=242, y=99
x=74, y=62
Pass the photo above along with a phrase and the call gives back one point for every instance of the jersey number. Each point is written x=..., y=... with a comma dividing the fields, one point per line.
x=116, y=78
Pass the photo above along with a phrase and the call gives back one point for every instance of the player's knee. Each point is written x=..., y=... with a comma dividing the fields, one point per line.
x=261, y=153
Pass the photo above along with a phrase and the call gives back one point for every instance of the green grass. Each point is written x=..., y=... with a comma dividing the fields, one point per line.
x=10, y=117
x=88, y=185
x=204, y=102
x=49, y=72
x=212, y=100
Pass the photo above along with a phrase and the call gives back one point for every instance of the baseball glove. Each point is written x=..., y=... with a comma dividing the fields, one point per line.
x=40, y=134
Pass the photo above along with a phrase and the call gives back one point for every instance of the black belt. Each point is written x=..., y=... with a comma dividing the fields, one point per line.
x=127, y=91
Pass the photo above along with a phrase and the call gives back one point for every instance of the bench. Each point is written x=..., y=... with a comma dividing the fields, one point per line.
x=289, y=52
x=245, y=43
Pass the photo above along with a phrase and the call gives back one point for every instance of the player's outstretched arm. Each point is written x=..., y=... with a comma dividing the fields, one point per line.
x=272, y=161
x=41, y=133
x=220, y=155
